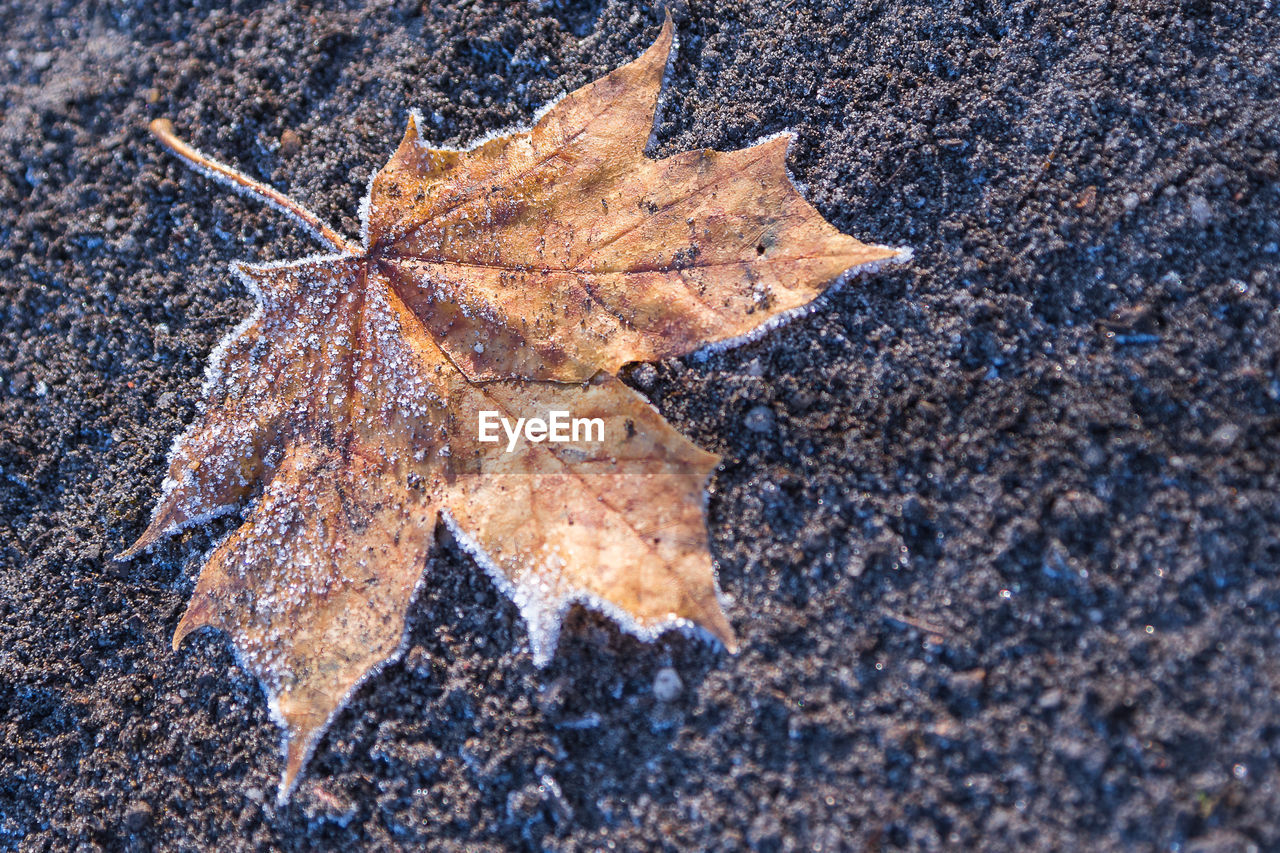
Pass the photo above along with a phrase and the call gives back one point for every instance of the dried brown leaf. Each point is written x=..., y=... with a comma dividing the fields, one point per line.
x=514, y=278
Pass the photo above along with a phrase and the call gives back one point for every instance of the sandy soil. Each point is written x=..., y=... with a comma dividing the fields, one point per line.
x=1004, y=554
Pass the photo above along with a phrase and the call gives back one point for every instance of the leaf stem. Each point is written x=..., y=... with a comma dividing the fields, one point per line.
x=163, y=130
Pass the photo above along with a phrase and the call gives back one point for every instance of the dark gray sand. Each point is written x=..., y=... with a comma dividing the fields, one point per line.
x=1000, y=529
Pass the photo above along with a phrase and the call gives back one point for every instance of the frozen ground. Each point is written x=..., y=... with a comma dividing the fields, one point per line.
x=1001, y=529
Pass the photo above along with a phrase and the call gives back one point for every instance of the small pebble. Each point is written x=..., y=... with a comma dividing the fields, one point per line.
x=1131, y=201
x=1094, y=456
x=19, y=382
x=1225, y=435
x=759, y=419
x=290, y=143
x=1050, y=700
x=1201, y=213
x=645, y=376
x=1088, y=200
x=42, y=60
x=667, y=685
x=137, y=817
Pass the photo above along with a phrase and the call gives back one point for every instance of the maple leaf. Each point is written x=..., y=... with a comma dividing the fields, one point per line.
x=513, y=278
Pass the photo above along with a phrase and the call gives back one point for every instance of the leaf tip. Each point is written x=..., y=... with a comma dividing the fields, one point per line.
x=719, y=627
x=128, y=553
x=295, y=757
x=901, y=254
x=156, y=529
x=875, y=257
x=667, y=33
x=411, y=136
x=408, y=154
x=303, y=717
x=179, y=635
x=190, y=621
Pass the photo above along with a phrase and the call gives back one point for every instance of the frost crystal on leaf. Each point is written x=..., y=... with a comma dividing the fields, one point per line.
x=513, y=278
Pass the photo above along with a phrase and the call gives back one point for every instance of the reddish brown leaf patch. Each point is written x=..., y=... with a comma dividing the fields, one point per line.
x=513, y=279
